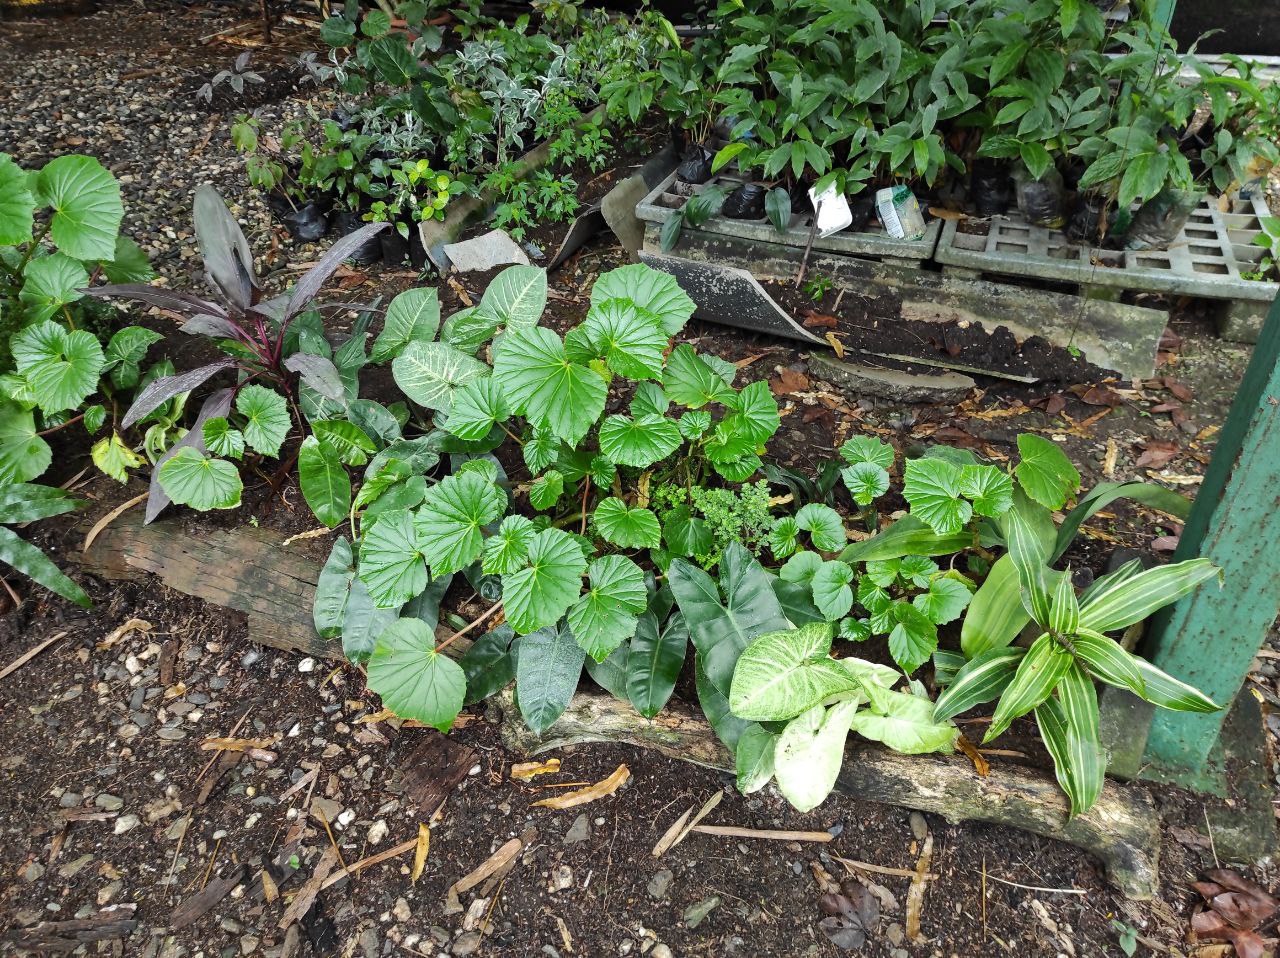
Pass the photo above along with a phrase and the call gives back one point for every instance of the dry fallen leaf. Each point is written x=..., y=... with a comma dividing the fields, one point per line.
x=836, y=345
x=523, y=771
x=269, y=890
x=582, y=796
x=420, y=852
x=789, y=381
x=1157, y=453
x=123, y=631
x=980, y=764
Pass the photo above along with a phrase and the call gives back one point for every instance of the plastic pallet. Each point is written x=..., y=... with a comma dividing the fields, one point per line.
x=663, y=202
x=1207, y=259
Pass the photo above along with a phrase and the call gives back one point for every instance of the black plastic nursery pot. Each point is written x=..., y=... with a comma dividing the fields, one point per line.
x=394, y=247
x=344, y=222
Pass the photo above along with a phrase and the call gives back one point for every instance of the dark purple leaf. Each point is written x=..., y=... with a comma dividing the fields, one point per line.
x=207, y=324
x=309, y=285
x=318, y=373
x=175, y=302
x=216, y=404
x=227, y=258
x=166, y=387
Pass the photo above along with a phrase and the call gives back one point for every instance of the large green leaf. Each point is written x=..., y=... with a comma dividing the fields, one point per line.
x=721, y=628
x=26, y=502
x=38, y=567
x=544, y=386
x=490, y=663
x=125, y=352
x=1135, y=598
x=61, y=367
x=715, y=706
x=653, y=291
x=413, y=316
x=537, y=595
x=629, y=340
x=392, y=563
x=608, y=612
x=130, y=264
x=913, y=637
x=910, y=535
x=782, y=674
x=507, y=550
x=23, y=454
x=333, y=587
x=626, y=528
x=686, y=534
x=753, y=758
x=548, y=666
x=1107, y=660
x=17, y=205
x=190, y=479
x=324, y=481
x=756, y=416
x=688, y=380
x=344, y=439
x=1044, y=472
x=516, y=297
x=1028, y=533
x=86, y=205
x=414, y=680
x=904, y=722
x=363, y=622
x=809, y=753
x=988, y=488
x=266, y=416
x=824, y=525
x=49, y=283
x=477, y=406
x=996, y=614
x=428, y=373
x=391, y=57
x=980, y=680
x=867, y=449
x=865, y=481
x=1039, y=673
x=656, y=656
x=831, y=592
x=945, y=599
x=932, y=489
x=638, y=442
x=452, y=518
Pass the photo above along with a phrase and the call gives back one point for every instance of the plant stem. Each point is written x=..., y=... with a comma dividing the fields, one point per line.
x=484, y=617
x=64, y=425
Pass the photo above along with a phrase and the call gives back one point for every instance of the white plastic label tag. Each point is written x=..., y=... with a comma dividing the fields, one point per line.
x=832, y=211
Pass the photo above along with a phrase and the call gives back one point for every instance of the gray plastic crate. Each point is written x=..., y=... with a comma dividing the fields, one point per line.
x=1208, y=258
x=663, y=202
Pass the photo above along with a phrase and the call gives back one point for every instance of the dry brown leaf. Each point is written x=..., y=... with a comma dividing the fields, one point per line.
x=1109, y=459
x=980, y=764
x=122, y=631
x=1157, y=453
x=523, y=771
x=789, y=381
x=836, y=345
x=915, y=894
x=744, y=363
x=420, y=852
x=582, y=796
x=942, y=213
x=269, y=890
x=819, y=321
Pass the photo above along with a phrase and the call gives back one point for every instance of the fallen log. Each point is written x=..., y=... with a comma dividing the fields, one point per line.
x=107, y=924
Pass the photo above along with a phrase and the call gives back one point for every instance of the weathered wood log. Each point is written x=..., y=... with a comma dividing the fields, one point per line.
x=1122, y=829
x=113, y=922
x=249, y=571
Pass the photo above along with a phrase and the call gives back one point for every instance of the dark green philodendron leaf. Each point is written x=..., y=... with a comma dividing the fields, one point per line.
x=266, y=416
x=626, y=528
x=452, y=517
x=653, y=291
x=86, y=205
x=548, y=666
x=325, y=483
x=932, y=489
x=649, y=400
x=629, y=340
x=913, y=638
x=17, y=205
x=1044, y=472
x=516, y=297
x=988, y=488
x=784, y=673
x=61, y=367
x=715, y=706
x=429, y=373
x=394, y=62
x=413, y=316
x=945, y=600
x=414, y=680
x=824, y=526
x=831, y=592
x=608, y=612
x=35, y=565
x=23, y=454
x=656, y=656
x=638, y=442
x=537, y=595
x=363, y=622
x=490, y=664
x=690, y=381
x=333, y=587
x=686, y=534
x=544, y=386
x=477, y=406
x=507, y=550
x=611, y=674
x=190, y=479
x=721, y=627
x=546, y=490
x=392, y=564
x=49, y=283
x=867, y=449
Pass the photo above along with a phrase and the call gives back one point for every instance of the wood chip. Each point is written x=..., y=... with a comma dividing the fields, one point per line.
x=306, y=896
x=495, y=862
x=684, y=830
x=421, y=847
x=394, y=852
x=777, y=835
x=123, y=631
x=677, y=830
x=30, y=654
x=835, y=344
x=269, y=890
x=523, y=771
x=980, y=763
x=915, y=894
x=582, y=796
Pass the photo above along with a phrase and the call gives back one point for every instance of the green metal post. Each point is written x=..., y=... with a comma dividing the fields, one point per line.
x=1210, y=638
x=1162, y=11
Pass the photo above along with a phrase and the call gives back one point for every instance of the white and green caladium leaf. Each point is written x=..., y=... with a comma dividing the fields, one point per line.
x=831, y=592
x=351, y=444
x=516, y=297
x=989, y=489
x=653, y=291
x=905, y=723
x=546, y=490
x=414, y=680
x=23, y=454
x=325, y=483
x=507, y=550
x=428, y=373
x=1039, y=673
x=452, y=517
x=333, y=588
x=608, y=612
x=190, y=479
x=867, y=449
x=468, y=329
x=753, y=758
x=638, y=442
x=61, y=367
x=86, y=205
x=266, y=417
x=125, y=352
x=413, y=316
x=865, y=481
x=945, y=600
x=810, y=751
x=932, y=489
x=686, y=534
x=477, y=406
x=1071, y=734
x=626, y=528
x=1132, y=600
x=649, y=400
x=824, y=526
x=1044, y=472
x=690, y=381
x=629, y=340
x=392, y=562
x=548, y=666
x=656, y=656
x=913, y=637
x=781, y=674
x=537, y=595
x=980, y=680
x=17, y=205
x=114, y=458
x=721, y=628
x=49, y=283
x=544, y=386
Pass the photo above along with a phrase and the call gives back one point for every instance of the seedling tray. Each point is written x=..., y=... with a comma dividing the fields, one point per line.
x=663, y=202
x=1207, y=259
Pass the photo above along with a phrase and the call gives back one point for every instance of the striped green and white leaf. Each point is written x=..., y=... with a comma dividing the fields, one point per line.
x=1107, y=660
x=980, y=680
x=1135, y=598
x=1028, y=532
x=782, y=674
x=996, y=615
x=1160, y=688
x=428, y=373
x=1073, y=741
x=1039, y=673
x=910, y=535
x=1064, y=608
x=517, y=296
